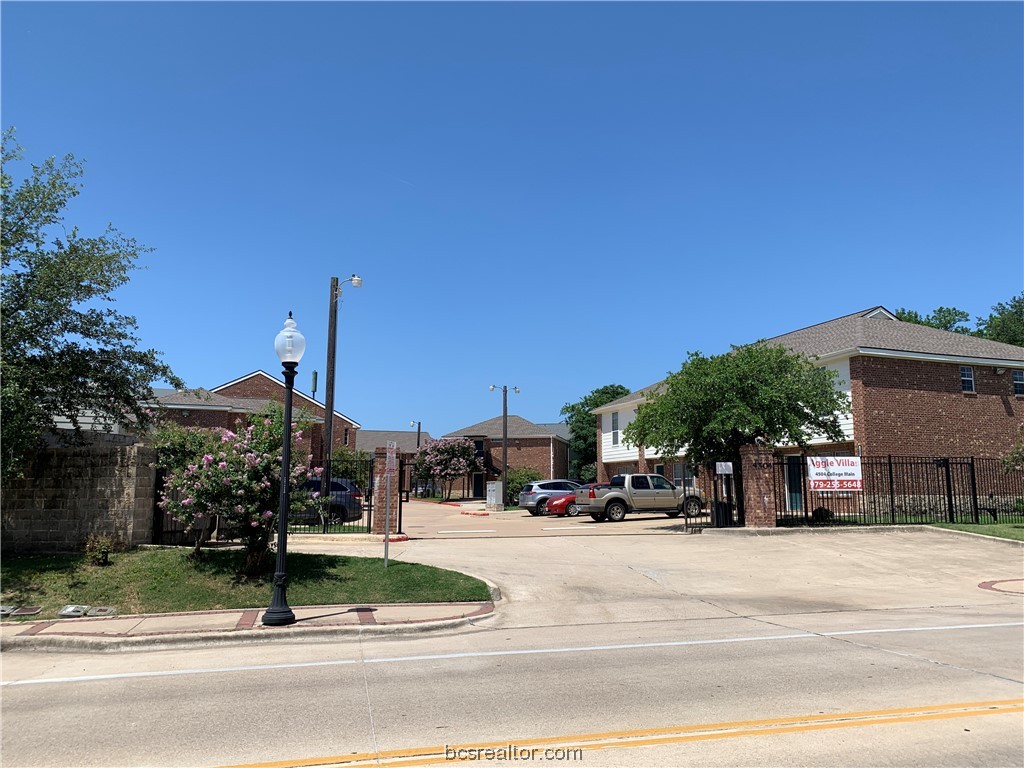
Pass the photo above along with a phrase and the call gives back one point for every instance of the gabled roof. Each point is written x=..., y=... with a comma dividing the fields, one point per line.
x=560, y=428
x=203, y=399
x=300, y=395
x=517, y=427
x=370, y=439
x=877, y=330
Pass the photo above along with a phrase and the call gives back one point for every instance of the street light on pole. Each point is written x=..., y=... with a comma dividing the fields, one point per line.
x=417, y=425
x=332, y=343
x=289, y=345
x=504, y=438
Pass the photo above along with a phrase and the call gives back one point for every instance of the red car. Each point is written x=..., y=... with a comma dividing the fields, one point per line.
x=566, y=505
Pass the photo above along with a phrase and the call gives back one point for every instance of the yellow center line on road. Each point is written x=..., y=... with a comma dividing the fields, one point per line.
x=432, y=755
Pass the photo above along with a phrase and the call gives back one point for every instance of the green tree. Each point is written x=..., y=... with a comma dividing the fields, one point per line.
x=445, y=461
x=943, y=318
x=1005, y=323
x=517, y=478
x=66, y=352
x=583, y=429
x=235, y=476
x=756, y=394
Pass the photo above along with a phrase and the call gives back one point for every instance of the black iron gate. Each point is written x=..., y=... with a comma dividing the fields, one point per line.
x=903, y=490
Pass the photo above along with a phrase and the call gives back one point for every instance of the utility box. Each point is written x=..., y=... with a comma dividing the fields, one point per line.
x=495, y=502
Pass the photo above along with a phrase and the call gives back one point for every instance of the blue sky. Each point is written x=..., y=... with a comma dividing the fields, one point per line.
x=555, y=196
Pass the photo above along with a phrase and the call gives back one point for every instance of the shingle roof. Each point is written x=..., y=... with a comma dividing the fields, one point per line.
x=876, y=328
x=560, y=428
x=517, y=427
x=871, y=329
x=370, y=439
x=198, y=398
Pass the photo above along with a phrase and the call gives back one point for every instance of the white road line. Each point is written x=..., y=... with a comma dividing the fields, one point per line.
x=478, y=530
x=522, y=652
x=568, y=528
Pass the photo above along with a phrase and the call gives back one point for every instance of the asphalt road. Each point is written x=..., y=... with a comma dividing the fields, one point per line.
x=849, y=649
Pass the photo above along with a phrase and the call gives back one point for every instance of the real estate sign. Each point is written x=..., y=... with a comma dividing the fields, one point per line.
x=834, y=473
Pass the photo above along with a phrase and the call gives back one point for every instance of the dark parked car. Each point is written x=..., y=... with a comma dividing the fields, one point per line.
x=346, y=503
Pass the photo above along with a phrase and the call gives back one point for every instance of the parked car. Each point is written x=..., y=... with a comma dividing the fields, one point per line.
x=346, y=503
x=566, y=505
x=639, y=493
x=534, y=496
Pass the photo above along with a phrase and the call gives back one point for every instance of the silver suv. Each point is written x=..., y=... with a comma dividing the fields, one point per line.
x=534, y=496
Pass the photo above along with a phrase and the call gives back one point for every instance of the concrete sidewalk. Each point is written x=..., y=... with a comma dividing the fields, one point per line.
x=118, y=633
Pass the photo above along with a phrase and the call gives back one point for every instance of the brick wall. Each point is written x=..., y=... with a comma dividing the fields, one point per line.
x=382, y=522
x=106, y=487
x=533, y=452
x=758, y=464
x=917, y=408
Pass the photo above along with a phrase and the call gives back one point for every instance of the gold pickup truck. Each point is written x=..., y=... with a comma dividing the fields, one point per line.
x=638, y=493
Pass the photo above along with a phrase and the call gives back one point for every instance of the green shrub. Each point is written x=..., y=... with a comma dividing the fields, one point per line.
x=517, y=478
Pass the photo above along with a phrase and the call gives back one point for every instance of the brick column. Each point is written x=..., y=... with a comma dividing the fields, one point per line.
x=758, y=466
x=602, y=471
x=380, y=494
x=642, y=466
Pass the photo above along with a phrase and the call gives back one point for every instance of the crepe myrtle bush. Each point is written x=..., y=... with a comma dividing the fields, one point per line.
x=236, y=476
x=445, y=461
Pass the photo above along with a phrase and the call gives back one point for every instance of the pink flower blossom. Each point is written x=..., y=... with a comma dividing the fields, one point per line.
x=254, y=524
x=268, y=514
x=187, y=502
x=222, y=465
x=207, y=460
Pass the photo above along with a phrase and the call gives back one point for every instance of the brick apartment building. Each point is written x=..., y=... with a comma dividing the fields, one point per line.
x=914, y=391
x=225, y=405
x=529, y=445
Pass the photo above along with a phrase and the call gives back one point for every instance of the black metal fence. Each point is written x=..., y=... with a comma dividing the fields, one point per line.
x=902, y=490
x=345, y=504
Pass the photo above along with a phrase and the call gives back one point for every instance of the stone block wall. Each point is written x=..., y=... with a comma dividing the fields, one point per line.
x=106, y=487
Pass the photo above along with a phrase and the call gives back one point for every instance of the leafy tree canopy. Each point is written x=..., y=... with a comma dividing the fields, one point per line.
x=66, y=352
x=943, y=318
x=1005, y=323
x=583, y=429
x=445, y=461
x=758, y=393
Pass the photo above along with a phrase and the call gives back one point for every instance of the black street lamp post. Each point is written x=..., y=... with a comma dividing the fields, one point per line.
x=504, y=439
x=417, y=425
x=289, y=345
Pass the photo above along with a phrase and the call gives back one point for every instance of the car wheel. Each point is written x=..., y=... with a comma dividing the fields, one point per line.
x=674, y=512
x=598, y=517
x=692, y=506
x=615, y=512
x=542, y=507
x=535, y=511
x=572, y=510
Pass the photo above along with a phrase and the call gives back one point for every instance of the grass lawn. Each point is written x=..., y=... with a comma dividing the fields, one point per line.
x=999, y=530
x=166, y=580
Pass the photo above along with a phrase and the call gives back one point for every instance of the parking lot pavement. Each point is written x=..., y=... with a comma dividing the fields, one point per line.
x=430, y=520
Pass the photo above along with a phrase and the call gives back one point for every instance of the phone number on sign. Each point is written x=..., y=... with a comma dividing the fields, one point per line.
x=835, y=485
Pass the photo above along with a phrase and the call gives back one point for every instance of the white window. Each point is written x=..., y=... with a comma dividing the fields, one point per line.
x=346, y=436
x=966, y=378
x=1018, y=382
x=615, y=428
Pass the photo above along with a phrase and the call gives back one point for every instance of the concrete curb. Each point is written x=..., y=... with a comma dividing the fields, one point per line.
x=861, y=530
x=77, y=644
x=256, y=635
